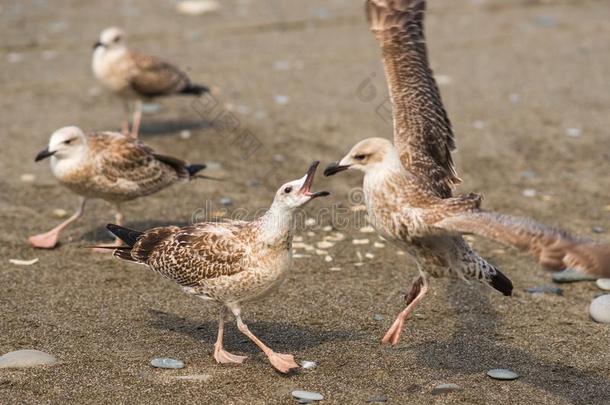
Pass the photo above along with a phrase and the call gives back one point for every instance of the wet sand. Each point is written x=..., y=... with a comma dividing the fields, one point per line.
x=515, y=76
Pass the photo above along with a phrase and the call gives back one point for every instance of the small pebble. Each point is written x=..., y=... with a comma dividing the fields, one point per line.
x=598, y=229
x=445, y=388
x=28, y=178
x=166, y=363
x=26, y=358
x=367, y=229
x=379, y=245
x=360, y=241
x=400, y=253
x=308, y=365
x=336, y=237
x=321, y=252
x=528, y=174
x=545, y=289
x=570, y=276
x=600, y=309
x=358, y=264
x=327, y=228
x=194, y=377
x=299, y=256
x=281, y=100
x=325, y=245
x=443, y=80
x=335, y=269
x=311, y=234
x=529, y=192
x=226, y=201
x=298, y=239
x=369, y=255
x=479, y=124
x=377, y=317
x=19, y=262
x=150, y=108
x=377, y=399
x=328, y=259
x=253, y=183
x=211, y=165
x=197, y=7
x=60, y=213
x=573, y=132
x=310, y=222
x=185, y=134
x=603, y=283
x=307, y=395
x=502, y=374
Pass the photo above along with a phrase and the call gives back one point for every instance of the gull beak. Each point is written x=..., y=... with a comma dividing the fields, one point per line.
x=335, y=168
x=306, y=187
x=43, y=154
x=98, y=43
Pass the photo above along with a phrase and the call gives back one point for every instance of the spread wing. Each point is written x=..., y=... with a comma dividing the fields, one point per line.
x=151, y=76
x=422, y=130
x=555, y=249
x=126, y=165
x=195, y=253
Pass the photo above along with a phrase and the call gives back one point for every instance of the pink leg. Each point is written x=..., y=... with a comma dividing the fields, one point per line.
x=418, y=290
x=283, y=363
x=220, y=354
x=49, y=239
x=125, y=124
x=137, y=118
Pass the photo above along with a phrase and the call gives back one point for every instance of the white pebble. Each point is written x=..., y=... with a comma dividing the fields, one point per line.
x=335, y=269
x=603, y=283
x=28, y=178
x=281, y=99
x=600, y=309
x=310, y=222
x=321, y=252
x=478, y=124
x=299, y=256
x=573, y=132
x=308, y=365
x=60, y=213
x=358, y=264
x=328, y=259
x=19, y=262
x=166, y=363
x=529, y=192
x=26, y=358
x=197, y=7
x=327, y=228
x=298, y=239
x=443, y=80
x=194, y=377
x=400, y=253
x=360, y=241
x=307, y=395
x=359, y=256
x=367, y=229
x=325, y=244
x=185, y=134
x=379, y=245
x=311, y=234
x=150, y=108
x=369, y=255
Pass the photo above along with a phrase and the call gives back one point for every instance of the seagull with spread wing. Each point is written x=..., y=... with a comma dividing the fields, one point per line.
x=109, y=166
x=408, y=185
x=231, y=262
x=136, y=76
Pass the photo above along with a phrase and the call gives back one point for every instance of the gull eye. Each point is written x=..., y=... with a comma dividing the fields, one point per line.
x=360, y=157
x=68, y=141
x=288, y=189
x=116, y=39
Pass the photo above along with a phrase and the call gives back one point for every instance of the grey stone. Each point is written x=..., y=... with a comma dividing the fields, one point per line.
x=502, y=374
x=194, y=377
x=166, y=363
x=571, y=276
x=378, y=317
x=545, y=289
x=308, y=396
x=26, y=358
x=226, y=201
x=445, y=388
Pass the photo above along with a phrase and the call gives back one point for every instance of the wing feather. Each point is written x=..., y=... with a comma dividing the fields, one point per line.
x=151, y=76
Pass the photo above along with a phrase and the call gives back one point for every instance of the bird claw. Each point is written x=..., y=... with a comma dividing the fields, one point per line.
x=224, y=357
x=44, y=240
x=283, y=363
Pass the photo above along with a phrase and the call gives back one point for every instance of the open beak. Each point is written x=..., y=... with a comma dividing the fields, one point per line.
x=334, y=168
x=98, y=43
x=43, y=154
x=306, y=187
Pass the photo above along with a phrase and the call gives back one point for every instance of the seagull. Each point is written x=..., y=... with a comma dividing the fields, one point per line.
x=135, y=76
x=109, y=166
x=230, y=262
x=408, y=184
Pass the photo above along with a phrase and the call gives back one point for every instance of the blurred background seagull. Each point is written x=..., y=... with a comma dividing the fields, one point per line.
x=135, y=76
x=109, y=166
x=230, y=262
x=408, y=185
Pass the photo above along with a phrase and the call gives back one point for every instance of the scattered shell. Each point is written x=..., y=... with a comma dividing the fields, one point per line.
x=301, y=245
x=573, y=132
x=498, y=251
x=150, y=108
x=197, y=7
x=325, y=244
x=308, y=365
x=185, y=134
x=28, y=178
x=60, y=213
x=20, y=262
x=211, y=165
x=321, y=252
x=307, y=395
x=377, y=317
x=502, y=374
x=478, y=124
x=358, y=264
x=336, y=237
x=359, y=256
x=367, y=229
x=356, y=208
x=544, y=289
x=328, y=259
x=529, y=192
x=379, y=245
x=600, y=309
x=166, y=363
x=369, y=256
x=603, y=283
x=194, y=377
x=281, y=99
x=299, y=256
x=26, y=358
x=311, y=234
x=327, y=228
x=310, y=222
x=445, y=388
x=400, y=253
x=335, y=269
x=298, y=239
x=226, y=201
x=570, y=276
x=360, y=241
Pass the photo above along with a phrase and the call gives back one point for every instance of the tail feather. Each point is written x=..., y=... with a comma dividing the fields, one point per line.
x=195, y=89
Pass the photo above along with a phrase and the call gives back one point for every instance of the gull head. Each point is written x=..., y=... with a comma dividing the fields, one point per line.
x=65, y=143
x=367, y=155
x=297, y=193
x=112, y=37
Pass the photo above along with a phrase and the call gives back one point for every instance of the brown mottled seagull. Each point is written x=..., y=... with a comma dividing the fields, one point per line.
x=109, y=166
x=229, y=262
x=135, y=76
x=408, y=184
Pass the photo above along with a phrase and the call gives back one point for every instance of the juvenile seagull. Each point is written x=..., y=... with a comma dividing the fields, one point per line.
x=408, y=185
x=136, y=76
x=230, y=262
x=109, y=166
